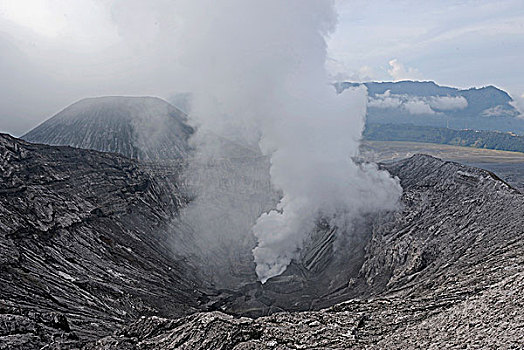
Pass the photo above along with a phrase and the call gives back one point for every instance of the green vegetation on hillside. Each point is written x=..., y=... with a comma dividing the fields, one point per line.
x=467, y=138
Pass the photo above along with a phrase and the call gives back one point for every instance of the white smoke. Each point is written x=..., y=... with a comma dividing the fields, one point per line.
x=335, y=189
x=256, y=72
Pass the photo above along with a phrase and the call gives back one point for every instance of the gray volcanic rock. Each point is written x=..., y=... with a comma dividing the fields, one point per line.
x=456, y=221
x=452, y=217
x=146, y=128
x=83, y=246
x=86, y=261
x=445, y=271
x=489, y=320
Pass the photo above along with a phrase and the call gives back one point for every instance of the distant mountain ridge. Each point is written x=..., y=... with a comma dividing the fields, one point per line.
x=146, y=128
x=429, y=104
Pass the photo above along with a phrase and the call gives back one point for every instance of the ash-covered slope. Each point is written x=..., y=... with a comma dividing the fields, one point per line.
x=146, y=128
x=445, y=271
x=82, y=246
x=459, y=227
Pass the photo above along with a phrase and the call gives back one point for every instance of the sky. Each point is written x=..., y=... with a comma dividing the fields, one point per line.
x=55, y=52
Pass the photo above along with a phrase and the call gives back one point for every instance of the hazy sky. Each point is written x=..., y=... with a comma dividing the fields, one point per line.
x=54, y=52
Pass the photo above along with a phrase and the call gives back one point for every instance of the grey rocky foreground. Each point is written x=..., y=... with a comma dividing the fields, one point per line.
x=446, y=271
x=84, y=262
x=491, y=319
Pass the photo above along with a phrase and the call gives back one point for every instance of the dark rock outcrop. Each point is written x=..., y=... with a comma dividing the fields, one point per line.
x=458, y=225
x=83, y=246
x=145, y=128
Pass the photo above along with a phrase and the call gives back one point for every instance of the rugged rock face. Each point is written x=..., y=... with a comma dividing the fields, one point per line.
x=85, y=261
x=446, y=271
x=491, y=319
x=145, y=128
x=82, y=246
x=457, y=221
x=453, y=217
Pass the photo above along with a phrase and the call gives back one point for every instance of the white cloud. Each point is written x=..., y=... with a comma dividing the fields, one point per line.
x=417, y=105
x=66, y=22
x=366, y=73
x=338, y=71
x=448, y=41
x=518, y=103
x=385, y=101
x=448, y=103
x=399, y=72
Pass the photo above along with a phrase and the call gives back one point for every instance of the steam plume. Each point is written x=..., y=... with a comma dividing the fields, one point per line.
x=258, y=77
